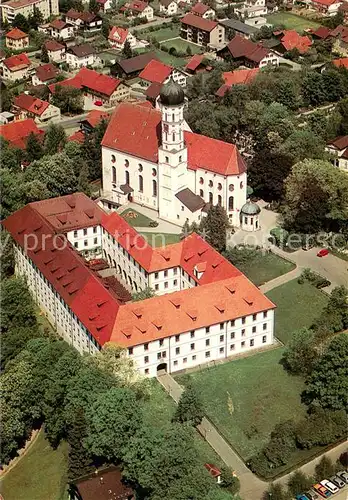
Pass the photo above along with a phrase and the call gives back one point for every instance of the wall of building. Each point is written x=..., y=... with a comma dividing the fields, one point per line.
x=79, y=62
x=87, y=240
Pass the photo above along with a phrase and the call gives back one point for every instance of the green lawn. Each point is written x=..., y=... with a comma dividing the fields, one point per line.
x=297, y=306
x=163, y=34
x=160, y=409
x=139, y=221
x=262, y=395
x=181, y=45
x=291, y=21
x=161, y=239
x=39, y=475
x=176, y=62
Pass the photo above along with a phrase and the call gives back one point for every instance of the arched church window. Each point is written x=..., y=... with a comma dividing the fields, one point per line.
x=211, y=184
x=113, y=158
x=180, y=158
x=201, y=180
x=126, y=163
x=211, y=197
x=201, y=193
x=219, y=199
x=173, y=117
x=141, y=183
x=241, y=184
x=127, y=177
x=231, y=187
x=219, y=186
x=140, y=167
x=154, y=188
x=114, y=175
x=154, y=172
x=230, y=203
x=167, y=159
x=173, y=136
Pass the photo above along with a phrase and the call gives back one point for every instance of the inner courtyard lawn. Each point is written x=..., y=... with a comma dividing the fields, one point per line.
x=136, y=219
x=39, y=475
x=163, y=34
x=297, y=306
x=247, y=397
x=291, y=21
x=181, y=45
x=160, y=239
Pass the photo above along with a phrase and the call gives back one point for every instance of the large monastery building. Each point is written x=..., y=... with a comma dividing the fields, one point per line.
x=151, y=157
x=204, y=309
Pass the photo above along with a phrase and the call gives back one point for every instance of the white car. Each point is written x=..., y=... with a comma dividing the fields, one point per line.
x=330, y=486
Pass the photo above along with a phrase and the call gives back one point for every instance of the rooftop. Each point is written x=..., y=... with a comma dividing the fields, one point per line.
x=156, y=71
x=90, y=79
x=341, y=63
x=46, y=72
x=18, y=62
x=136, y=63
x=239, y=26
x=198, y=22
x=241, y=47
x=82, y=50
x=118, y=34
x=290, y=40
x=16, y=133
x=31, y=104
x=194, y=62
x=53, y=45
x=200, y=9
x=16, y=34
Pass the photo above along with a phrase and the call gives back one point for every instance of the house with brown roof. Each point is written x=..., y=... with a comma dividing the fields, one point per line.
x=202, y=31
x=247, y=53
x=16, y=39
x=103, y=485
x=340, y=35
x=202, y=10
x=26, y=106
x=138, y=8
x=168, y=7
x=85, y=21
x=61, y=29
x=78, y=56
x=56, y=51
x=45, y=74
x=132, y=67
x=338, y=147
x=16, y=67
x=197, y=64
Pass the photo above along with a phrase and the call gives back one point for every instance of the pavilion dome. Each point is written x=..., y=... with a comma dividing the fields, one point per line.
x=172, y=94
x=250, y=208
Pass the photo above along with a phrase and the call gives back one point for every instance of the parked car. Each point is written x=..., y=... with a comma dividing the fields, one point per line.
x=324, y=492
x=343, y=475
x=302, y=497
x=98, y=103
x=312, y=495
x=337, y=481
x=329, y=485
x=323, y=252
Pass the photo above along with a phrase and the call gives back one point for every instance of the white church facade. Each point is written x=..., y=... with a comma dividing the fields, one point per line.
x=150, y=156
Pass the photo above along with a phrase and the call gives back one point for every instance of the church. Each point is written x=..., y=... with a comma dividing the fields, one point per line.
x=151, y=157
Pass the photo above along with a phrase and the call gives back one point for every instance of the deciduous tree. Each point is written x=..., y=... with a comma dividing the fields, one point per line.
x=214, y=227
x=55, y=139
x=298, y=483
x=34, y=150
x=190, y=407
x=301, y=353
x=324, y=469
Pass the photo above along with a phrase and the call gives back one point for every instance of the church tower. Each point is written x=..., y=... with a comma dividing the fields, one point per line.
x=172, y=154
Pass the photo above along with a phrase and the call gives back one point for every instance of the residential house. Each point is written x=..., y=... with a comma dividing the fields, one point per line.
x=94, y=117
x=252, y=8
x=290, y=40
x=61, y=29
x=16, y=67
x=118, y=36
x=56, y=51
x=326, y=7
x=339, y=149
x=255, y=22
x=248, y=53
x=6, y=117
x=16, y=133
x=168, y=7
x=202, y=31
x=214, y=471
x=16, y=39
x=104, y=5
x=340, y=35
x=26, y=106
x=97, y=86
x=158, y=72
x=138, y=8
x=321, y=33
x=202, y=10
x=45, y=74
x=9, y=10
x=234, y=26
x=78, y=56
x=85, y=21
x=197, y=64
x=237, y=77
x=132, y=67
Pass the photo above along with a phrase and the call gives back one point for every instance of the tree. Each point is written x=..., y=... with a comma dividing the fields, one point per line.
x=34, y=150
x=275, y=492
x=83, y=181
x=92, y=149
x=214, y=227
x=298, y=483
x=5, y=98
x=127, y=50
x=303, y=144
x=79, y=460
x=229, y=481
x=147, y=293
x=21, y=22
x=327, y=385
x=190, y=408
x=105, y=27
x=15, y=340
x=321, y=427
x=111, y=421
x=93, y=6
x=44, y=57
x=325, y=468
x=17, y=306
x=35, y=19
x=68, y=99
x=338, y=302
x=301, y=354
x=7, y=262
x=316, y=197
x=55, y=139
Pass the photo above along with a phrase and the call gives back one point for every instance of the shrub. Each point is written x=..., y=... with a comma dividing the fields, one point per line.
x=280, y=236
x=313, y=278
x=153, y=223
x=172, y=51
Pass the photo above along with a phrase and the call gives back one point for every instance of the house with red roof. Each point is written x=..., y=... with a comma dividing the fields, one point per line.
x=168, y=7
x=138, y=8
x=326, y=7
x=118, y=37
x=338, y=147
x=45, y=74
x=26, y=106
x=56, y=51
x=61, y=29
x=16, y=39
x=16, y=133
x=237, y=77
x=96, y=86
x=16, y=67
x=202, y=10
x=290, y=40
x=204, y=32
x=158, y=72
x=104, y=5
x=197, y=64
x=204, y=308
x=248, y=53
x=340, y=35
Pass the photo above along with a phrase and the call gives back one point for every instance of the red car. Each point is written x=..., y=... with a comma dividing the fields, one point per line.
x=323, y=252
x=98, y=103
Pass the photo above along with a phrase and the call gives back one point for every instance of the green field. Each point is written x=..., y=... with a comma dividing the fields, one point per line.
x=161, y=239
x=162, y=34
x=139, y=221
x=261, y=392
x=39, y=475
x=181, y=45
x=297, y=306
x=176, y=62
x=291, y=21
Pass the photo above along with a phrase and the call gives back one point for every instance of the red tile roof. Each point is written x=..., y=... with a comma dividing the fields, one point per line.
x=77, y=136
x=290, y=39
x=91, y=80
x=16, y=34
x=340, y=31
x=95, y=116
x=240, y=77
x=340, y=142
x=138, y=6
x=198, y=22
x=322, y=32
x=118, y=34
x=15, y=63
x=194, y=62
x=199, y=9
x=17, y=133
x=31, y=104
x=339, y=63
x=153, y=91
x=241, y=47
x=213, y=470
x=327, y=3
x=156, y=71
x=132, y=120
x=53, y=46
x=58, y=24
x=46, y=72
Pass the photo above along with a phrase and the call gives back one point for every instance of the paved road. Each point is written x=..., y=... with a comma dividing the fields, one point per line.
x=157, y=22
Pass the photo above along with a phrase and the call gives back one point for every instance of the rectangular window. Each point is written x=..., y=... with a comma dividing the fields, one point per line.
x=165, y=274
x=76, y=245
x=222, y=338
x=264, y=339
x=146, y=347
x=177, y=338
x=232, y=347
x=243, y=344
x=243, y=320
x=95, y=229
x=156, y=287
x=252, y=342
x=175, y=363
x=194, y=357
x=243, y=332
x=254, y=317
x=175, y=282
x=192, y=347
x=161, y=342
x=146, y=359
x=254, y=329
x=264, y=326
x=85, y=232
x=85, y=243
x=75, y=234
x=232, y=335
x=175, y=271
x=207, y=342
x=184, y=360
x=192, y=334
x=130, y=351
x=95, y=241
x=177, y=350
x=265, y=314
x=221, y=326
x=156, y=276
x=166, y=284
x=221, y=350
x=207, y=354
x=147, y=371
x=233, y=322
x=207, y=330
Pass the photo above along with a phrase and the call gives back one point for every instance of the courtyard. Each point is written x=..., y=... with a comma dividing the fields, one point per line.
x=181, y=45
x=291, y=21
